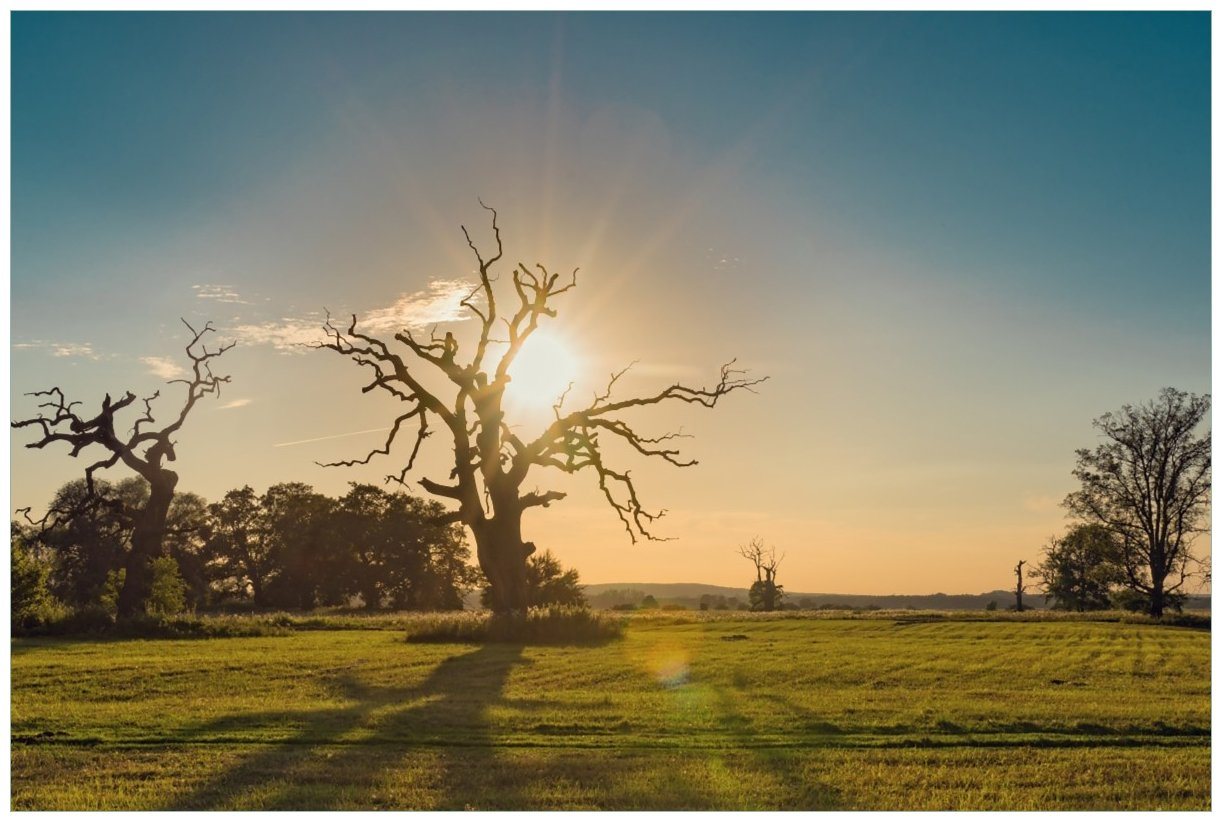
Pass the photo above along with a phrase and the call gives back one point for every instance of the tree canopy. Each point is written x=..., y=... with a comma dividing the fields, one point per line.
x=1148, y=484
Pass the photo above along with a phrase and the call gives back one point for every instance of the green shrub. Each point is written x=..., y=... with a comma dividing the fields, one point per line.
x=31, y=603
x=550, y=625
x=108, y=600
x=168, y=592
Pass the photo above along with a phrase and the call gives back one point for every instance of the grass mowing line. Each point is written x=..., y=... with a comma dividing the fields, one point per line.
x=644, y=741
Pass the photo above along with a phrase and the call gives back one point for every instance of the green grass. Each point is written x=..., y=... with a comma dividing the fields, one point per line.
x=682, y=712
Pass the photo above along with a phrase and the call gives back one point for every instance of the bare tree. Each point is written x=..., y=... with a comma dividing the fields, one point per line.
x=143, y=449
x=1149, y=484
x=491, y=462
x=765, y=594
x=1020, y=587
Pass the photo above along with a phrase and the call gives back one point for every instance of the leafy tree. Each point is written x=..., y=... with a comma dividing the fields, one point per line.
x=238, y=544
x=300, y=539
x=186, y=544
x=109, y=598
x=649, y=601
x=168, y=594
x=1126, y=599
x=141, y=448
x=29, y=575
x=87, y=546
x=1080, y=570
x=448, y=574
x=548, y=583
x=491, y=462
x=361, y=533
x=1148, y=483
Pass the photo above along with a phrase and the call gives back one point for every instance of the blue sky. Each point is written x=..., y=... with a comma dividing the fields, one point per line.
x=953, y=239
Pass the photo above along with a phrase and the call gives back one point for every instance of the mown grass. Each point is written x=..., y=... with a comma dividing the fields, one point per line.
x=682, y=712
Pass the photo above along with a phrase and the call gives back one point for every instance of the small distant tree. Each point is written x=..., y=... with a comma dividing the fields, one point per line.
x=649, y=602
x=142, y=449
x=992, y=606
x=765, y=594
x=1080, y=571
x=1148, y=483
x=1020, y=587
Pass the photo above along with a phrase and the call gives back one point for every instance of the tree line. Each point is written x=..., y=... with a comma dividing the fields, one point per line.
x=491, y=463
x=290, y=547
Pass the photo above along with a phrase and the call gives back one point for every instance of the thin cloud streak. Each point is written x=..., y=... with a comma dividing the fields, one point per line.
x=218, y=293
x=330, y=437
x=238, y=403
x=61, y=349
x=288, y=334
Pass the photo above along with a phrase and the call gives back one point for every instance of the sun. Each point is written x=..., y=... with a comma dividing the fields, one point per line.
x=543, y=369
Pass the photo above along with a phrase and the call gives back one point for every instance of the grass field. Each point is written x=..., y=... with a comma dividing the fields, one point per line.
x=891, y=712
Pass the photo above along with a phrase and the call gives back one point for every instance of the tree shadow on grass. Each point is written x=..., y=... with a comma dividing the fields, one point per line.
x=778, y=765
x=341, y=757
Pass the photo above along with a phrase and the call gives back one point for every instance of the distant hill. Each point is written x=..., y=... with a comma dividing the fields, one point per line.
x=607, y=595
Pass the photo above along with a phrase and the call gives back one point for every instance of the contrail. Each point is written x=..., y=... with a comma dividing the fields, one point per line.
x=331, y=437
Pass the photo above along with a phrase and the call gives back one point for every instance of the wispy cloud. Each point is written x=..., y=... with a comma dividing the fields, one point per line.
x=285, y=334
x=330, y=437
x=218, y=293
x=61, y=349
x=439, y=303
x=238, y=403
x=164, y=367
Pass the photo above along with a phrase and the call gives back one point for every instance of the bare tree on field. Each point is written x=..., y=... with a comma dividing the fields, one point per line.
x=1020, y=587
x=491, y=462
x=144, y=449
x=765, y=594
x=1149, y=484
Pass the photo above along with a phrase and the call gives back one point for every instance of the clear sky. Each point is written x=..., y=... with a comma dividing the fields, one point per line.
x=951, y=240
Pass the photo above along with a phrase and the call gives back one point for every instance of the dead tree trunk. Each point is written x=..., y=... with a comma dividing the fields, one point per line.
x=502, y=557
x=765, y=594
x=1020, y=586
x=144, y=451
x=491, y=462
x=148, y=533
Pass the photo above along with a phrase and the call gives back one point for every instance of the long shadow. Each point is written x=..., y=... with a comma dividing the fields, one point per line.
x=354, y=746
x=782, y=765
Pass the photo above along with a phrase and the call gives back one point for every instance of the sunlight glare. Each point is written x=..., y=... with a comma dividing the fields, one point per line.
x=542, y=370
